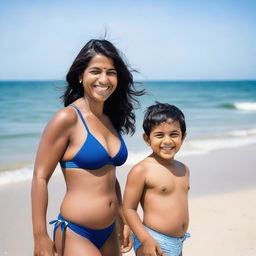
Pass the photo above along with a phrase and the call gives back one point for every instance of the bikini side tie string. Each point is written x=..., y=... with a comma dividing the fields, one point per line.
x=63, y=225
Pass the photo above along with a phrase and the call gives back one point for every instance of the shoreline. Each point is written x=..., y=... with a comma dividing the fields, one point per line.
x=222, y=219
x=216, y=172
x=198, y=169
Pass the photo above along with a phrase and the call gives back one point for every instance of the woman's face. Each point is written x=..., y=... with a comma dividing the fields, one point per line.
x=99, y=79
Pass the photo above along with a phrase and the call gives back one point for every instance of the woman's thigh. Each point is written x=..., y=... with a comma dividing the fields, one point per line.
x=74, y=244
x=112, y=246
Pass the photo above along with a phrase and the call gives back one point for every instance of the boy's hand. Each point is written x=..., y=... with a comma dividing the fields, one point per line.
x=150, y=248
x=126, y=239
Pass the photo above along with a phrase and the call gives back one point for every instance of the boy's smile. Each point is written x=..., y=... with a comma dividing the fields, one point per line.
x=165, y=139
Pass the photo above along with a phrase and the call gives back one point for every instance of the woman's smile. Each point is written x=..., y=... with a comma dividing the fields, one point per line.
x=102, y=90
x=99, y=78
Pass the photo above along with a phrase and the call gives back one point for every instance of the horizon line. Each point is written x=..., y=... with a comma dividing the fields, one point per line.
x=139, y=80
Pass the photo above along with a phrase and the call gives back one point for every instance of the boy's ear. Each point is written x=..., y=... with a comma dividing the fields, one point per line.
x=146, y=139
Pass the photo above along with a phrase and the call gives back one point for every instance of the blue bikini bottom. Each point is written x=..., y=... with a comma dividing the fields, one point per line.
x=97, y=236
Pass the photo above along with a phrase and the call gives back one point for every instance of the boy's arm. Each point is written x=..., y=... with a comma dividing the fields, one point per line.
x=135, y=185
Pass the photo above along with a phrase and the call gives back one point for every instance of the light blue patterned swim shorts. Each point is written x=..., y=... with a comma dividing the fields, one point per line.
x=171, y=246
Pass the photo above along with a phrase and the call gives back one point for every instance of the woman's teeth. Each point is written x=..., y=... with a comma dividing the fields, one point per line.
x=102, y=88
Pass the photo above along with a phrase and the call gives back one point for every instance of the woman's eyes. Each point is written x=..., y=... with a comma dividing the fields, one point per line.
x=112, y=73
x=97, y=72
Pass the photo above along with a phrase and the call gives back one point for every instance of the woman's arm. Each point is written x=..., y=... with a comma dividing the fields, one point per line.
x=125, y=231
x=51, y=149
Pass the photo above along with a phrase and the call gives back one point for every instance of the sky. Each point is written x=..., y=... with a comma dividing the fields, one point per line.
x=162, y=39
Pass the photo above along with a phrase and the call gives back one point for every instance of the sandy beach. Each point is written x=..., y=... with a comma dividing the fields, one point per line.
x=222, y=206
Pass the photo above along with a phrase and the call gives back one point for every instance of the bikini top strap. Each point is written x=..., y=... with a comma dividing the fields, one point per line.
x=81, y=116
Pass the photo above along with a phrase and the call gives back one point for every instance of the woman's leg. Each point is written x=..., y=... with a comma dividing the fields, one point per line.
x=74, y=244
x=112, y=245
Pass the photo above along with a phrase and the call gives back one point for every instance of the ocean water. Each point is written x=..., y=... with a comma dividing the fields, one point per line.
x=219, y=114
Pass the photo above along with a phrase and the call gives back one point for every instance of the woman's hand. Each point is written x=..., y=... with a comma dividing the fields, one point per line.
x=125, y=238
x=44, y=246
x=150, y=247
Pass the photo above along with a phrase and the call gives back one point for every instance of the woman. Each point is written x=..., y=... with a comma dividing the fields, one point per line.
x=85, y=138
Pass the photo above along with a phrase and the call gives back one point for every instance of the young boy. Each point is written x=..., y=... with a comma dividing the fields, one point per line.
x=160, y=183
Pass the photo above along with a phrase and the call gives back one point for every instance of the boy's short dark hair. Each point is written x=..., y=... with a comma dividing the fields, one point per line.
x=159, y=113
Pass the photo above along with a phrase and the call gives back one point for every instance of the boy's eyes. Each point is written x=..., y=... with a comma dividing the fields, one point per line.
x=159, y=135
x=173, y=135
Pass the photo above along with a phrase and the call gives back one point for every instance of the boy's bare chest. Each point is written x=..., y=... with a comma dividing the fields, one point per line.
x=166, y=183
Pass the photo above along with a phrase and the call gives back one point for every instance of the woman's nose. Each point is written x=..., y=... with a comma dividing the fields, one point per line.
x=103, y=79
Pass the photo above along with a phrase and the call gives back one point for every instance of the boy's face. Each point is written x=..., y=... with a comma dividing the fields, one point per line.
x=165, y=139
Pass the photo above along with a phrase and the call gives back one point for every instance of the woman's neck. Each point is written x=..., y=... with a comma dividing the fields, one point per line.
x=95, y=108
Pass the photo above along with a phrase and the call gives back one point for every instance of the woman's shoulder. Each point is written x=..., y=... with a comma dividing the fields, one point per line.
x=64, y=118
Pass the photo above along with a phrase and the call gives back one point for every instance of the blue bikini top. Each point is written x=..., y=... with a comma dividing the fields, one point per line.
x=92, y=155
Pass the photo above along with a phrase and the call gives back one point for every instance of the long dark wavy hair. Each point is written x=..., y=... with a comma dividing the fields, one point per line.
x=119, y=106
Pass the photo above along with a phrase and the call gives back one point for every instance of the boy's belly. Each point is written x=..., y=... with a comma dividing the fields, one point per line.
x=168, y=216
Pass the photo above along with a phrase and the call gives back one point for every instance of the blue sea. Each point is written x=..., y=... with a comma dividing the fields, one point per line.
x=219, y=115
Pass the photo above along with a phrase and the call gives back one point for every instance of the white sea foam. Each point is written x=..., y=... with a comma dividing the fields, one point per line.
x=242, y=133
x=15, y=176
x=207, y=145
x=248, y=106
x=233, y=139
x=18, y=175
x=136, y=156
